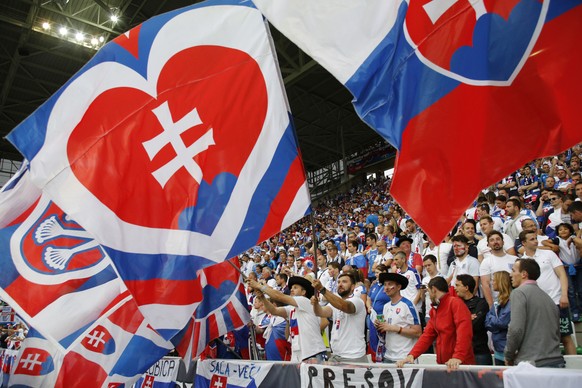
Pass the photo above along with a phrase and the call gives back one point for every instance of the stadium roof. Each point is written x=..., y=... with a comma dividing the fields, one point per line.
x=36, y=60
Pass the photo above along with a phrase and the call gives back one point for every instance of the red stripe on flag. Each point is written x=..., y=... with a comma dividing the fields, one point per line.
x=212, y=328
x=236, y=320
x=182, y=347
x=33, y=297
x=127, y=317
x=475, y=136
x=77, y=371
x=218, y=273
x=164, y=291
x=282, y=202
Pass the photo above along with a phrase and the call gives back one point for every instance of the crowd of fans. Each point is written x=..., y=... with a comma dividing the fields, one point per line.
x=371, y=283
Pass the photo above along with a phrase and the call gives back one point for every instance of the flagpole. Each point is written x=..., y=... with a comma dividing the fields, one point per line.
x=254, y=351
x=315, y=243
x=239, y=270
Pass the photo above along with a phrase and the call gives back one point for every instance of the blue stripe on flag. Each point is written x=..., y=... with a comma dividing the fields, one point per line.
x=134, y=266
x=381, y=99
x=7, y=268
x=105, y=276
x=139, y=354
x=266, y=192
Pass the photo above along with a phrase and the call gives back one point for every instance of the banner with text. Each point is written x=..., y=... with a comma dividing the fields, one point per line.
x=7, y=314
x=328, y=376
x=235, y=374
x=160, y=375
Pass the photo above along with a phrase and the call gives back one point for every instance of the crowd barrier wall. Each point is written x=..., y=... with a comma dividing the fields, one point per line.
x=171, y=372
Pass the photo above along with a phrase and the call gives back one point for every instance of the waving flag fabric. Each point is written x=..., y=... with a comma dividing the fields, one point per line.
x=92, y=328
x=174, y=148
x=223, y=309
x=467, y=91
x=52, y=272
x=114, y=351
x=86, y=326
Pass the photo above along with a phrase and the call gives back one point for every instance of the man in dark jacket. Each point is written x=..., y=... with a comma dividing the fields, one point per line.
x=450, y=325
x=478, y=307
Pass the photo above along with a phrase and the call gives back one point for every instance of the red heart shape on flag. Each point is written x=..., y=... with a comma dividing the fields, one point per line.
x=144, y=157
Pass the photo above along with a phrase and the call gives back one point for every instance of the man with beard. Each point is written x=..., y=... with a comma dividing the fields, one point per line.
x=468, y=231
x=464, y=263
x=497, y=260
x=483, y=249
x=512, y=225
x=348, y=313
x=401, y=325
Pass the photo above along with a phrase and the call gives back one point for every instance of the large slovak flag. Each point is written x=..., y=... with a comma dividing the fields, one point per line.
x=467, y=91
x=174, y=148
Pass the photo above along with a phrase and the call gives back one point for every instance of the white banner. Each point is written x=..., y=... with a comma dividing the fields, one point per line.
x=328, y=376
x=7, y=314
x=162, y=374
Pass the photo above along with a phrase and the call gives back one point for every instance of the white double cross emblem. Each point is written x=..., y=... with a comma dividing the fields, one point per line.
x=436, y=8
x=96, y=338
x=172, y=135
x=29, y=363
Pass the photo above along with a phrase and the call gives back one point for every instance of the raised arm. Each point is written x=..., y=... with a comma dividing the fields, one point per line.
x=271, y=308
x=333, y=299
x=322, y=312
x=273, y=294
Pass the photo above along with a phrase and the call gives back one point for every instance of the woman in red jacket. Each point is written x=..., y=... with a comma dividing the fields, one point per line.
x=450, y=325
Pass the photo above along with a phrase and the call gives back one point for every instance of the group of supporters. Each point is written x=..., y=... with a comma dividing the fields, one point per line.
x=374, y=285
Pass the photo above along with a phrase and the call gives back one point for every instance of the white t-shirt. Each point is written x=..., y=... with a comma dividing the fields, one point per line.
x=381, y=259
x=492, y=264
x=427, y=301
x=306, y=340
x=497, y=225
x=483, y=248
x=513, y=227
x=402, y=314
x=441, y=252
x=411, y=291
x=548, y=280
x=348, y=330
x=469, y=266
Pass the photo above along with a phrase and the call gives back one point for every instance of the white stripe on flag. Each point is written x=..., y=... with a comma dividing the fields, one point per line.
x=169, y=317
x=298, y=206
x=77, y=308
x=339, y=34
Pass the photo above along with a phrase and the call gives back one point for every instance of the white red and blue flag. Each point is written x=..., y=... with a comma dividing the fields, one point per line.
x=467, y=91
x=86, y=326
x=114, y=351
x=52, y=272
x=174, y=148
x=223, y=309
